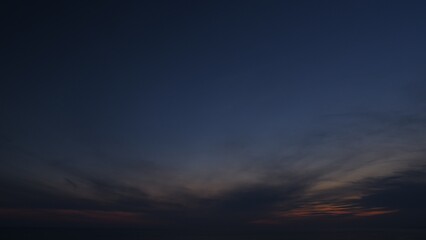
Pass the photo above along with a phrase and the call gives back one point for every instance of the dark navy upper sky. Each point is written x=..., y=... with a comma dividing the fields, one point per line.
x=170, y=110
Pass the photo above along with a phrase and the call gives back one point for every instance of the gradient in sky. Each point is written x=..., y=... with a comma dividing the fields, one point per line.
x=213, y=114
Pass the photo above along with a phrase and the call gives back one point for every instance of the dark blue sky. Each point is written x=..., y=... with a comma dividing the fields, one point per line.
x=214, y=112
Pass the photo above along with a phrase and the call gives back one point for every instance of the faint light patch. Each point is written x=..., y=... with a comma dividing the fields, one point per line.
x=326, y=185
x=319, y=209
x=76, y=216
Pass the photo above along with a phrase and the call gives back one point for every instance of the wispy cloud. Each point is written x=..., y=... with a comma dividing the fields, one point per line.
x=358, y=169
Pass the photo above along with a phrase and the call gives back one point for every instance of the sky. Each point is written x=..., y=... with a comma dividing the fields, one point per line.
x=213, y=114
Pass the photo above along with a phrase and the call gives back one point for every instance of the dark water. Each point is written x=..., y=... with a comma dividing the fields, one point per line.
x=106, y=234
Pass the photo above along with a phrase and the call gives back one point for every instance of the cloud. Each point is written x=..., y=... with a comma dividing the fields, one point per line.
x=359, y=169
x=405, y=192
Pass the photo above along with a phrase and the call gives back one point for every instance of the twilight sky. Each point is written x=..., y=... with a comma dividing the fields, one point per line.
x=213, y=113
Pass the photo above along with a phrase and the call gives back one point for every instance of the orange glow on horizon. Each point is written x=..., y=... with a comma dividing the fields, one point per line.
x=331, y=209
x=374, y=213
